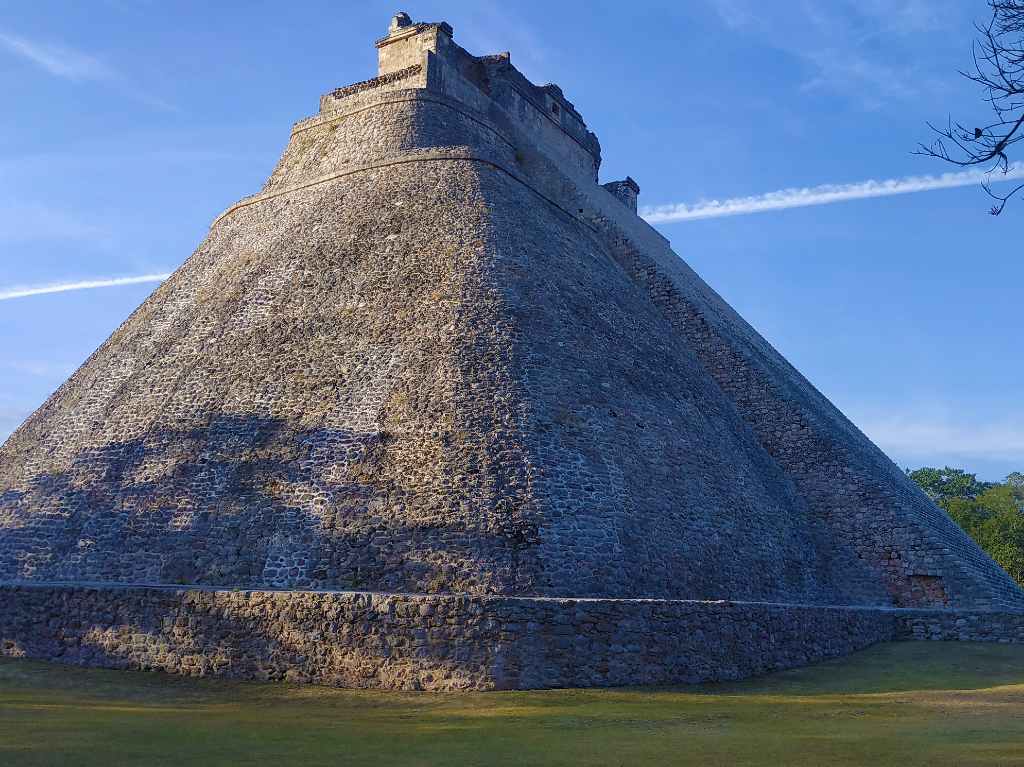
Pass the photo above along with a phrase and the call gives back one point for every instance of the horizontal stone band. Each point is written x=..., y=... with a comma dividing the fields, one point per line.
x=423, y=156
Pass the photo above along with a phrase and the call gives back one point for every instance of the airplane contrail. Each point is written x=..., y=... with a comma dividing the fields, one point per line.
x=22, y=291
x=823, y=195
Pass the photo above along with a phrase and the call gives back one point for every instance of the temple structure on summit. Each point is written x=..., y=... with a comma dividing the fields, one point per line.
x=437, y=409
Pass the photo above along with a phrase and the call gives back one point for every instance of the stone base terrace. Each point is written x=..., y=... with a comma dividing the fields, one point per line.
x=448, y=641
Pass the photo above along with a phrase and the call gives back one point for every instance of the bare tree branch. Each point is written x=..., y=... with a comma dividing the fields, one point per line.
x=999, y=69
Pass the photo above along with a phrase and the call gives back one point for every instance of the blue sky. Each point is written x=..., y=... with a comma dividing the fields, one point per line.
x=128, y=126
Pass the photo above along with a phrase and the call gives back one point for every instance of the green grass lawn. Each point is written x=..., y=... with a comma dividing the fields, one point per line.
x=913, y=703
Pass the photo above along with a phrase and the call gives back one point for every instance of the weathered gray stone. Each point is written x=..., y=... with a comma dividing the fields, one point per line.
x=434, y=356
x=289, y=635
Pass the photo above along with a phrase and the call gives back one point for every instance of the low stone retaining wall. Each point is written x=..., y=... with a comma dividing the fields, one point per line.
x=448, y=642
x=961, y=625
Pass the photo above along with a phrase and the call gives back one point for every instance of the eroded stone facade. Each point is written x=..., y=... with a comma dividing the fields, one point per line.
x=433, y=355
x=428, y=642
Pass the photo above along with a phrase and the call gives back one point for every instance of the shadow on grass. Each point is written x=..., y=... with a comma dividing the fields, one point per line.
x=893, y=667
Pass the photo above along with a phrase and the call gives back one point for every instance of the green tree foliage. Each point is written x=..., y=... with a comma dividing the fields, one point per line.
x=991, y=513
x=947, y=483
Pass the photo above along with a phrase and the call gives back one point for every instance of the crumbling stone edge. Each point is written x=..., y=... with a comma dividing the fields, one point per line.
x=448, y=641
x=376, y=82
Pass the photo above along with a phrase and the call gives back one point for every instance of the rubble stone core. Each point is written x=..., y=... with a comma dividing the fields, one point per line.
x=434, y=368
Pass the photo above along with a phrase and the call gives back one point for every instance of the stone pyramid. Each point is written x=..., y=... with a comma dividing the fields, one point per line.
x=434, y=356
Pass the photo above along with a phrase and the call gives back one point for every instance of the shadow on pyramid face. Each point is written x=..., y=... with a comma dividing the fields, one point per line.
x=253, y=502
x=247, y=501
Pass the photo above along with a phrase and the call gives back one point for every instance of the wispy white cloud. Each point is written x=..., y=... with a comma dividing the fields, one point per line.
x=824, y=194
x=495, y=27
x=986, y=436
x=76, y=66
x=40, y=368
x=82, y=159
x=32, y=222
x=10, y=419
x=875, y=82
x=867, y=50
x=24, y=291
x=910, y=17
x=911, y=436
x=735, y=14
x=58, y=60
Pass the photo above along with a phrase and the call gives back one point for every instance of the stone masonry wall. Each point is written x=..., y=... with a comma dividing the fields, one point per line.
x=439, y=642
x=961, y=626
x=288, y=410
x=917, y=550
x=383, y=82
x=925, y=559
x=914, y=549
x=433, y=357
x=390, y=125
x=407, y=375
x=493, y=86
x=425, y=359
x=645, y=474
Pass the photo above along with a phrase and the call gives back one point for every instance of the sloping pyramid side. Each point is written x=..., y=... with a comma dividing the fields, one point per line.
x=425, y=359
x=911, y=545
x=416, y=377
